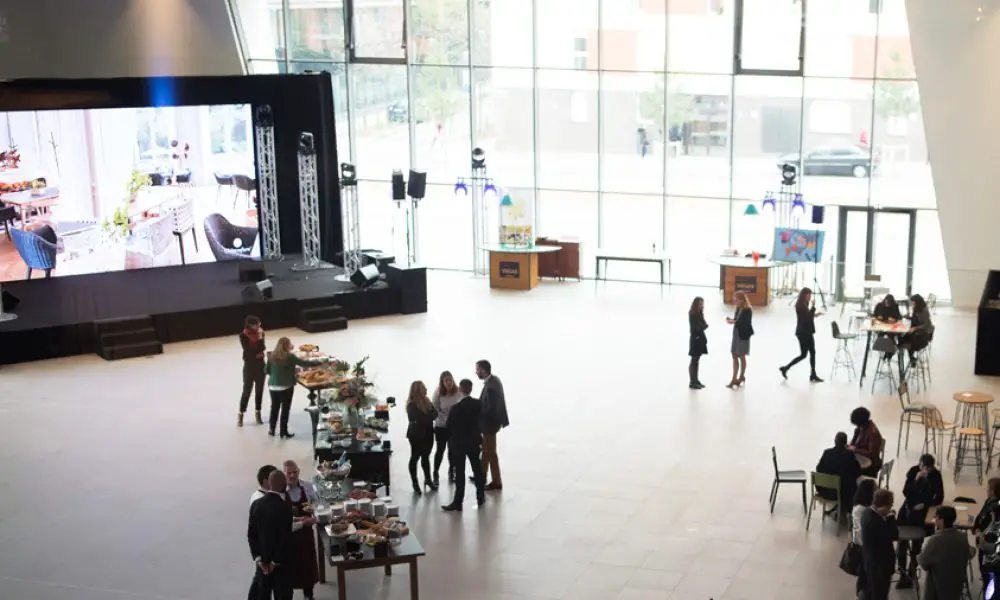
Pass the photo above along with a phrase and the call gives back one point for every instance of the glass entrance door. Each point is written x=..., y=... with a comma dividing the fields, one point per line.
x=874, y=241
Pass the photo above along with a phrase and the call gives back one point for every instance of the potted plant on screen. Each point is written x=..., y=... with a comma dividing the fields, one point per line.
x=136, y=183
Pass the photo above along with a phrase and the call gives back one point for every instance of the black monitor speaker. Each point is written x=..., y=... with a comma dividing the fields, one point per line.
x=9, y=301
x=417, y=184
x=365, y=276
x=258, y=292
x=251, y=272
x=817, y=215
x=398, y=186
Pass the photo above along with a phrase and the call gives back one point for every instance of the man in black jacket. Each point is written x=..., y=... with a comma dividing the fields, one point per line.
x=878, y=531
x=843, y=463
x=464, y=427
x=923, y=489
x=269, y=533
x=494, y=419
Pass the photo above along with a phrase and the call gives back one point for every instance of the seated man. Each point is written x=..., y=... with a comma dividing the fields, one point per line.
x=840, y=461
x=923, y=489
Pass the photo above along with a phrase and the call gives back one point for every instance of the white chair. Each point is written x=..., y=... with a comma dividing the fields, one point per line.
x=150, y=240
x=181, y=215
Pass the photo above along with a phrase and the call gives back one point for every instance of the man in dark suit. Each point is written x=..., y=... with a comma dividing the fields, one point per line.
x=493, y=420
x=878, y=531
x=465, y=437
x=269, y=533
x=843, y=463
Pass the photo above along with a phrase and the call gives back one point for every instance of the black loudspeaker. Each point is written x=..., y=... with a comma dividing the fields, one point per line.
x=817, y=215
x=9, y=301
x=398, y=186
x=258, y=292
x=411, y=285
x=418, y=181
x=251, y=272
x=365, y=276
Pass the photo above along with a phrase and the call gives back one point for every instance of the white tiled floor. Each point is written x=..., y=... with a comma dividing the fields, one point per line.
x=129, y=480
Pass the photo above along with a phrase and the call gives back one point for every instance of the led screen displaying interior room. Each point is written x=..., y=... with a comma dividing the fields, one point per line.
x=630, y=124
x=92, y=191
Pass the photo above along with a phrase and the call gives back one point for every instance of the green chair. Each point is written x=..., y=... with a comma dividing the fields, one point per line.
x=823, y=481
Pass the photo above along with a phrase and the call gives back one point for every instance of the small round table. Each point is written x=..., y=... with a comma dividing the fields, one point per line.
x=973, y=409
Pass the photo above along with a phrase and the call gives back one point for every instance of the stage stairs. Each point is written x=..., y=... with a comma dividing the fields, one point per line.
x=321, y=314
x=128, y=337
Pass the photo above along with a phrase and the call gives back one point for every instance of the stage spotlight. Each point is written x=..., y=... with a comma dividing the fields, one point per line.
x=769, y=202
x=478, y=158
x=306, y=143
x=789, y=173
x=461, y=188
x=348, y=175
x=798, y=205
x=489, y=188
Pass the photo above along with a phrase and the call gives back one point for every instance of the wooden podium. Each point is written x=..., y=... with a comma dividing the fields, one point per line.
x=738, y=274
x=515, y=268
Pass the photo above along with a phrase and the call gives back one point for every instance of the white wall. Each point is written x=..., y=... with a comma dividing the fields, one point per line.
x=116, y=38
x=955, y=58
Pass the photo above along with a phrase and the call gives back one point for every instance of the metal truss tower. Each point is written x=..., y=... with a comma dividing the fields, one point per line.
x=268, y=184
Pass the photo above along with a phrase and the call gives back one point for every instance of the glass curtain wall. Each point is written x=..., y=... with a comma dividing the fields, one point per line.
x=634, y=125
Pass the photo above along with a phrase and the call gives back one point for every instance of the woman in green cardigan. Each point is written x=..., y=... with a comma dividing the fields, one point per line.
x=281, y=363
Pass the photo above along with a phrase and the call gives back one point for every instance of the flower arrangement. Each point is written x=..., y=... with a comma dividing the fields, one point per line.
x=354, y=388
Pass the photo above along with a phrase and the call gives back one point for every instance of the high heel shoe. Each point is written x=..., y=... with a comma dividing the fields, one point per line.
x=428, y=483
x=733, y=384
x=416, y=489
x=741, y=381
x=257, y=419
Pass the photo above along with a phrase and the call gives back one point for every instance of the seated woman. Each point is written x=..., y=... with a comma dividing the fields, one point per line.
x=867, y=440
x=887, y=310
x=921, y=326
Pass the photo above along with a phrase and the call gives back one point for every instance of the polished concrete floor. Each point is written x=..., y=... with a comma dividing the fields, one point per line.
x=129, y=480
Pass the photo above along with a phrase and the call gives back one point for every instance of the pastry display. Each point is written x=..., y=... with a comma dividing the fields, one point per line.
x=315, y=377
x=309, y=348
x=368, y=435
x=359, y=494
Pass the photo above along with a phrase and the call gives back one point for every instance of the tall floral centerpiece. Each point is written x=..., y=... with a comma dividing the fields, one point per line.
x=354, y=390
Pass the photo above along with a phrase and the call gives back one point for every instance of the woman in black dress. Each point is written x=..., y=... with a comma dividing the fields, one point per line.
x=420, y=432
x=252, y=341
x=805, y=331
x=698, y=344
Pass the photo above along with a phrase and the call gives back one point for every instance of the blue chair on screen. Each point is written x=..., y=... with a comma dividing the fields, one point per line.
x=37, y=249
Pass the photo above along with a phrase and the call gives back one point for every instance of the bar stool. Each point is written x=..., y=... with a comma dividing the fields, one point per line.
x=935, y=428
x=886, y=348
x=969, y=451
x=843, y=358
x=996, y=429
x=972, y=409
x=918, y=370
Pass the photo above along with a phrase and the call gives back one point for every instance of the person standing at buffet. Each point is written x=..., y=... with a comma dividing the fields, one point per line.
x=698, y=345
x=303, y=571
x=420, y=433
x=281, y=363
x=444, y=397
x=742, y=323
x=262, y=474
x=252, y=341
x=494, y=418
x=269, y=534
x=805, y=332
x=465, y=439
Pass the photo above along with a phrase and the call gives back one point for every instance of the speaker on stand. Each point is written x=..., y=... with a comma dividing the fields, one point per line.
x=416, y=187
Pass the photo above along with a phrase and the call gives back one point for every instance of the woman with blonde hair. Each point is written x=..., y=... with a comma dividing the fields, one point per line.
x=281, y=363
x=742, y=323
x=420, y=432
x=445, y=396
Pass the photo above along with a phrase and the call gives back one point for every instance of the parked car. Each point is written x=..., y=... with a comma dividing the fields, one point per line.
x=845, y=161
x=398, y=113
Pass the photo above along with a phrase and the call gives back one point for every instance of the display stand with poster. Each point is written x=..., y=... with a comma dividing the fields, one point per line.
x=515, y=268
x=752, y=277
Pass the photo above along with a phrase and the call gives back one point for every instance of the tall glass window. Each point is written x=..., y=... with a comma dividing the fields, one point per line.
x=632, y=124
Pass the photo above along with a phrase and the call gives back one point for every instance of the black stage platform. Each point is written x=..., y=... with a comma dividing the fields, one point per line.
x=56, y=317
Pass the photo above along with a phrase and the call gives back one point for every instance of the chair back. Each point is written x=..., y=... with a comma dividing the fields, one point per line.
x=774, y=461
x=243, y=183
x=879, y=293
x=836, y=330
x=35, y=251
x=881, y=452
x=885, y=473
x=886, y=345
x=223, y=179
x=932, y=417
x=827, y=482
x=183, y=176
x=182, y=215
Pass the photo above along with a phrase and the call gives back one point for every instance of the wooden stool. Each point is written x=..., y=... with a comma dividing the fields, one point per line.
x=935, y=428
x=969, y=451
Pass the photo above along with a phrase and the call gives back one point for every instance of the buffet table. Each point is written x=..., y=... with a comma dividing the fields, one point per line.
x=346, y=549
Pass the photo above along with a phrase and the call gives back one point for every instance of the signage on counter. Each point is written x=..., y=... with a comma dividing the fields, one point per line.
x=511, y=270
x=746, y=284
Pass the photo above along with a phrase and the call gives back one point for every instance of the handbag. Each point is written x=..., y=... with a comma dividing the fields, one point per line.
x=850, y=561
